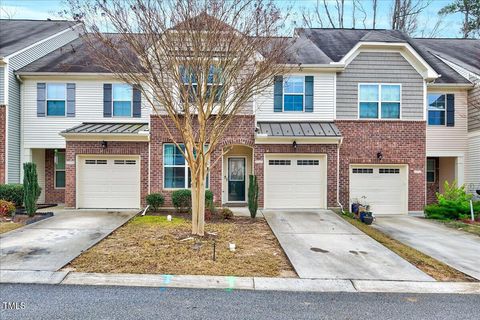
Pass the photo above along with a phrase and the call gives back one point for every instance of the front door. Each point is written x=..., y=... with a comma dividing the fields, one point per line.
x=236, y=179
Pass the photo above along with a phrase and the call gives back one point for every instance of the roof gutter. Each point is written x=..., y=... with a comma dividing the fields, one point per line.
x=328, y=67
x=451, y=85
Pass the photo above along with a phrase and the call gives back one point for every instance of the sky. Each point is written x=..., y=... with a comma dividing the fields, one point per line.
x=450, y=27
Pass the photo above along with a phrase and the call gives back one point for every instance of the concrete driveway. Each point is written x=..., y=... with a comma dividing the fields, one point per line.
x=50, y=244
x=458, y=249
x=320, y=244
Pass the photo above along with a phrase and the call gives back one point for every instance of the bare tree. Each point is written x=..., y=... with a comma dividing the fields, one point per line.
x=471, y=15
x=8, y=13
x=197, y=63
x=322, y=14
x=405, y=14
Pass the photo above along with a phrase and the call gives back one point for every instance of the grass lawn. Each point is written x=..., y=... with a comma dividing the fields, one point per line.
x=151, y=244
x=473, y=228
x=434, y=268
x=9, y=226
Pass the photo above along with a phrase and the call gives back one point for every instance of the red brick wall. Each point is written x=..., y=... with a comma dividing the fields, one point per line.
x=329, y=150
x=241, y=133
x=3, y=127
x=75, y=148
x=52, y=195
x=401, y=142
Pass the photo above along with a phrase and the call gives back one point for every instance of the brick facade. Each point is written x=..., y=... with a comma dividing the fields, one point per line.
x=3, y=133
x=400, y=142
x=75, y=148
x=52, y=195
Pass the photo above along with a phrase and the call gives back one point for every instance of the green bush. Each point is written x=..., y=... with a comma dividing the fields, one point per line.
x=31, y=188
x=453, y=204
x=182, y=200
x=226, y=213
x=7, y=208
x=253, y=196
x=13, y=193
x=155, y=200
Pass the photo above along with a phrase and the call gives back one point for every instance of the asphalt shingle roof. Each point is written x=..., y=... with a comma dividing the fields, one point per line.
x=18, y=34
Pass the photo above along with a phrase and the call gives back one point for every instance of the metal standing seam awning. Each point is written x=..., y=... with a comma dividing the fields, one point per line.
x=95, y=131
x=302, y=132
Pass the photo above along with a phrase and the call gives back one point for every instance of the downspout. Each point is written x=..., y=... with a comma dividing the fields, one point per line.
x=338, y=174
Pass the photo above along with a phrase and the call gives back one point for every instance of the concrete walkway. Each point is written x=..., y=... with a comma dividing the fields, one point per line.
x=458, y=249
x=321, y=245
x=50, y=244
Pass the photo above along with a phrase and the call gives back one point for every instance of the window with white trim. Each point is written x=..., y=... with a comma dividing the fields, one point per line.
x=176, y=173
x=293, y=93
x=190, y=82
x=437, y=103
x=362, y=170
x=122, y=97
x=59, y=169
x=56, y=99
x=379, y=101
x=431, y=170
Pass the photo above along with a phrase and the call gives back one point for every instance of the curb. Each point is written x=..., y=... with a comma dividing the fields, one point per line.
x=236, y=283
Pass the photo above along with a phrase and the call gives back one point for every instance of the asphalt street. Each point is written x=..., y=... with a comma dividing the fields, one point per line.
x=102, y=302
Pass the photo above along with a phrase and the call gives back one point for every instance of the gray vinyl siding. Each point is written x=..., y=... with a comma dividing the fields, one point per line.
x=14, y=103
x=2, y=85
x=380, y=67
x=474, y=108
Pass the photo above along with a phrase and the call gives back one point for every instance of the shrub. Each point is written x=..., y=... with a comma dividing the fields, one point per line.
x=453, y=203
x=31, y=187
x=226, y=213
x=155, y=200
x=7, y=208
x=435, y=211
x=13, y=193
x=182, y=200
x=253, y=196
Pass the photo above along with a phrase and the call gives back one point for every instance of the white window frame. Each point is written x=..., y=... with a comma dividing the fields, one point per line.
x=55, y=169
x=209, y=84
x=179, y=166
x=379, y=85
x=285, y=78
x=64, y=100
x=113, y=100
x=434, y=170
x=444, y=110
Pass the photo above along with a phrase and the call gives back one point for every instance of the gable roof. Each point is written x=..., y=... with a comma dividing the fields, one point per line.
x=18, y=34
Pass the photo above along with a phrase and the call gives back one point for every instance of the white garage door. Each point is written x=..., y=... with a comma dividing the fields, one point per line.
x=108, y=182
x=295, y=181
x=385, y=188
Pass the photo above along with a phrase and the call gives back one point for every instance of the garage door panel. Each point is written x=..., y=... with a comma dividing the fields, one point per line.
x=108, y=182
x=295, y=181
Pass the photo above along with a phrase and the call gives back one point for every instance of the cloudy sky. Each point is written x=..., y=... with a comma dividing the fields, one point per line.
x=43, y=9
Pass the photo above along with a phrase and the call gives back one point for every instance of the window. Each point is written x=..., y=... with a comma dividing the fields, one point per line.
x=279, y=162
x=379, y=101
x=389, y=170
x=293, y=93
x=122, y=100
x=59, y=169
x=176, y=173
x=308, y=162
x=190, y=81
x=436, y=109
x=56, y=93
x=362, y=170
x=431, y=168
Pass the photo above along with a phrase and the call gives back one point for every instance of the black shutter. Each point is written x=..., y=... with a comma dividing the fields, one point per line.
x=278, y=94
x=41, y=99
x=107, y=100
x=137, y=102
x=70, y=99
x=309, y=94
x=450, y=110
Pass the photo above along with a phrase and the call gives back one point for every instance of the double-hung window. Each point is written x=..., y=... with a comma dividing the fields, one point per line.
x=431, y=170
x=436, y=109
x=191, y=82
x=176, y=173
x=56, y=96
x=379, y=101
x=293, y=93
x=122, y=100
x=59, y=169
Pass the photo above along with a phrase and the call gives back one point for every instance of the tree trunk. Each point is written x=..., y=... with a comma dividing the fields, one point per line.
x=198, y=201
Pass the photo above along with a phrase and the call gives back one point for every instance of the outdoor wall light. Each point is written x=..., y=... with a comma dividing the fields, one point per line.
x=104, y=144
x=379, y=155
x=294, y=145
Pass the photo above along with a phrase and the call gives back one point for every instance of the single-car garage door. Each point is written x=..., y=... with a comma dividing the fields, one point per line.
x=384, y=188
x=108, y=182
x=295, y=181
